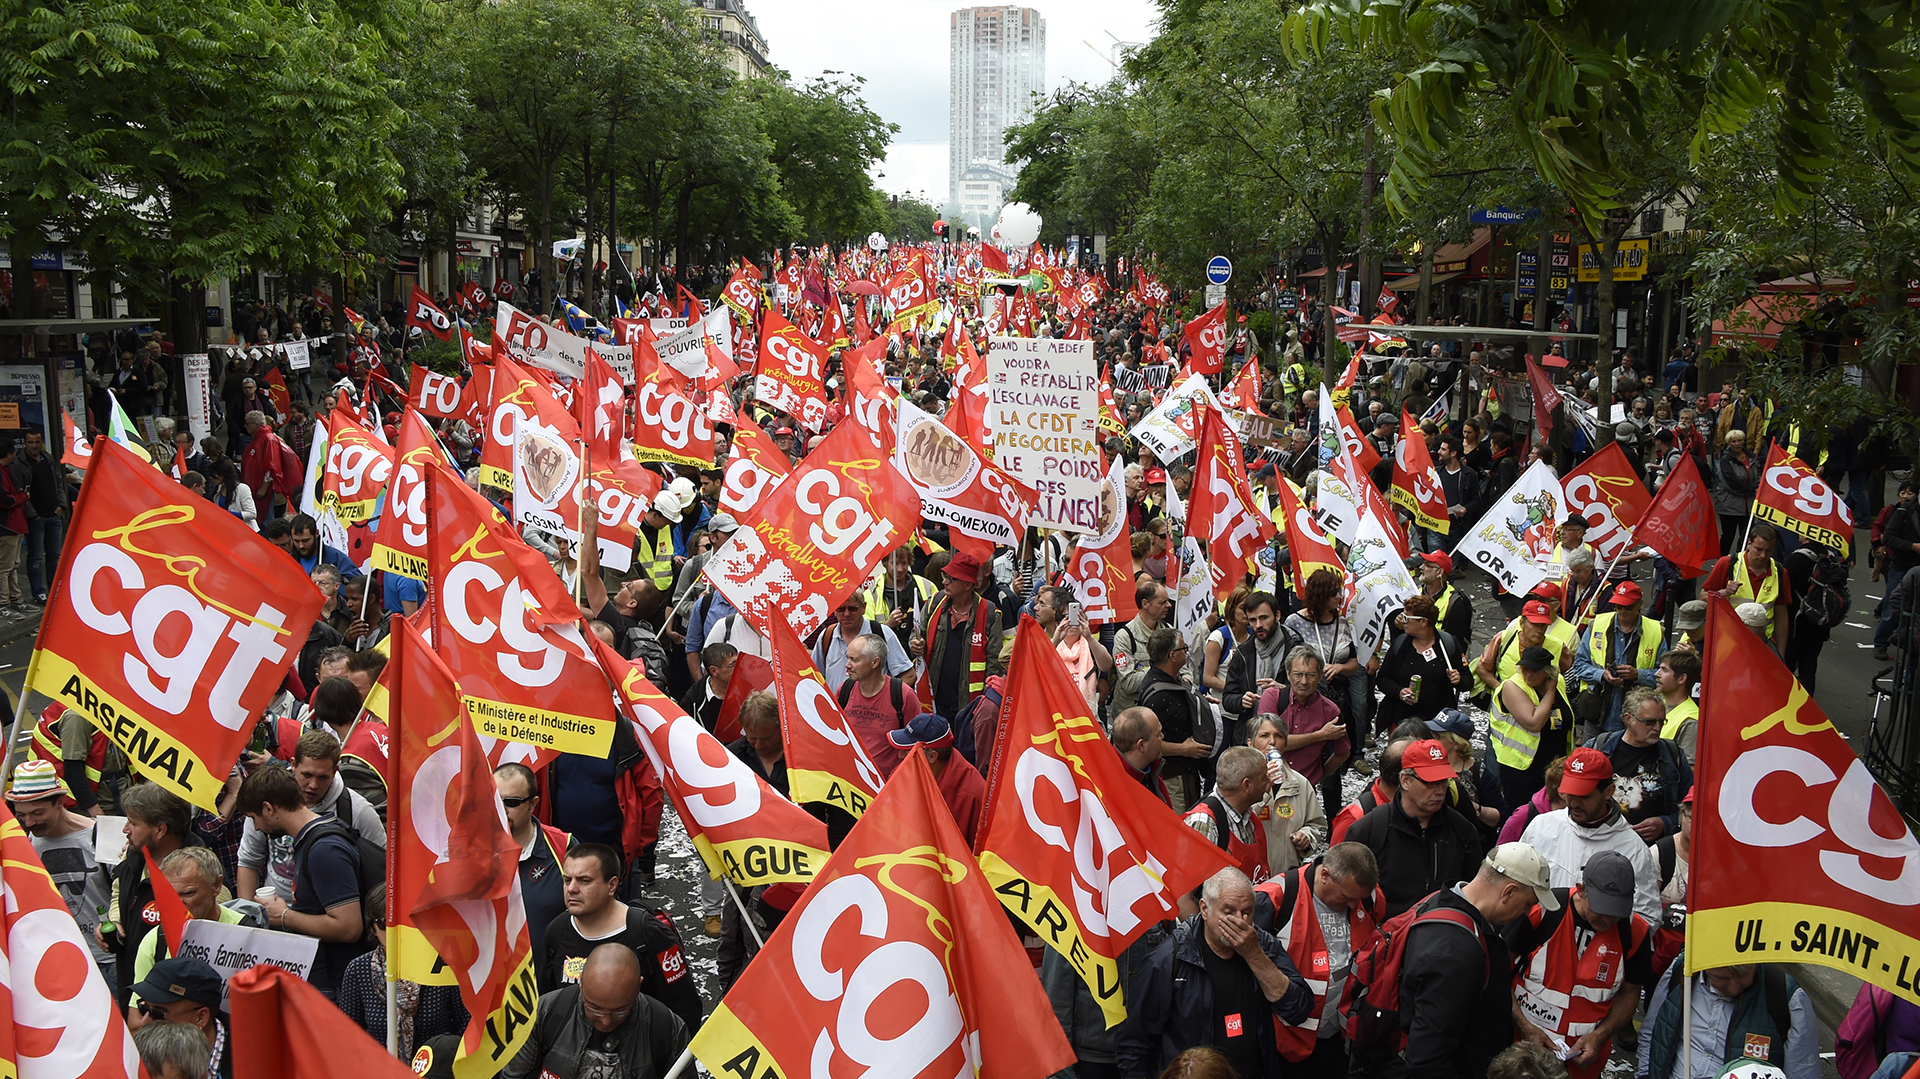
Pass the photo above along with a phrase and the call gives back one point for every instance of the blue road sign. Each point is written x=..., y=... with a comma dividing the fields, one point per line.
x=1219, y=270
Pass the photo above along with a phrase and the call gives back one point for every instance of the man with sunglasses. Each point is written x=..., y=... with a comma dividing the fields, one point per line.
x=602, y=1027
x=542, y=847
x=183, y=990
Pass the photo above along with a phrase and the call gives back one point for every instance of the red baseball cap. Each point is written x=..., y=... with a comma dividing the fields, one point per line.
x=1548, y=590
x=1155, y=475
x=1626, y=592
x=1588, y=770
x=963, y=567
x=1428, y=759
x=1439, y=558
x=1537, y=613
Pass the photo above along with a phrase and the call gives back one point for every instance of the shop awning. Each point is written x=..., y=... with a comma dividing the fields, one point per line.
x=1463, y=251
x=1322, y=271
x=1759, y=322
x=1411, y=282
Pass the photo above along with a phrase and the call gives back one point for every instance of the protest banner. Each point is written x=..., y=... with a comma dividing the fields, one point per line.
x=1172, y=428
x=1514, y=539
x=549, y=347
x=299, y=355
x=1043, y=407
x=230, y=949
x=199, y=379
x=685, y=350
x=1794, y=497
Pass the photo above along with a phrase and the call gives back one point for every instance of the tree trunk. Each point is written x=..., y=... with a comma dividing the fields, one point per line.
x=188, y=317
x=543, y=255
x=1423, y=311
x=1363, y=267
x=585, y=256
x=1542, y=268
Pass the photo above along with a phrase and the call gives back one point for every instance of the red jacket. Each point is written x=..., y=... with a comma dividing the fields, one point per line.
x=272, y=463
x=13, y=505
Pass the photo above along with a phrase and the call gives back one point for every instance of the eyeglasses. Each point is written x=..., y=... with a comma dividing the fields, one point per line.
x=154, y=1011
x=516, y=803
x=595, y=1010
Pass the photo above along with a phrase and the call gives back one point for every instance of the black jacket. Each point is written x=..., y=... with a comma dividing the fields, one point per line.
x=1415, y=862
x=1456, y=1002
x=1170, y=1004
x=1241, y=680
x=650, y=1040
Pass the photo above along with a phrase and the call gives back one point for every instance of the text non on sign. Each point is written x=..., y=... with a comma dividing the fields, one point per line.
x=1043, y=412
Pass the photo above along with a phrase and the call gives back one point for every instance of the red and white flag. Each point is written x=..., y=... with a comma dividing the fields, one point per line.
x=743, y=828
x=1799, y=856
x=421, y=312
x=1309, y=547
x=437, y=396
x=1794, y=497
x=58, y=1019
x=452, y=865
x=79, y=451
x=755, y=467
x=356, y=471
x=896, y=962
x=1608, y=493
x=1222, y=510
x=508, y=629
x=1545, y=398
x=826, y=763
x=1681, y=525
x=1207, y=337
x=1416, y=484
x=1068, y=830
x=818, y=535
x=790, y=375
x=400, y=545
x=170, y=625
x=1100, y=567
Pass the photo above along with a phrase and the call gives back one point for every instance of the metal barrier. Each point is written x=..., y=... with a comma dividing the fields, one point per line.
x=1893, y=743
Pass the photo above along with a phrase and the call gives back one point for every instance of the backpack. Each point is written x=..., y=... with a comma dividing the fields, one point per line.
x=980, y=717
x=893, y=689
x=1126, y=690
x=1861, y=1041
x=1370, y=1003
x=1825, y=601
x=373, y=858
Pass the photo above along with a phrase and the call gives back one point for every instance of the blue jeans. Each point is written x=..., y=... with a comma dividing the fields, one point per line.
x=44, y=537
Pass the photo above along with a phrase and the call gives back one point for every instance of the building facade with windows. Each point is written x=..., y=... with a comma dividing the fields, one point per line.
x=999, y=68
x=733, y=27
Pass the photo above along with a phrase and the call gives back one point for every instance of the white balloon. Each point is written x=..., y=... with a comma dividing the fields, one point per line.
x=1019, y=224
x=877, y=242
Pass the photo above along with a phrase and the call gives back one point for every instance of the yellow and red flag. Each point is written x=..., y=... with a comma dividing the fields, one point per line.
x=1100, y=567
x=170, y=625
x=1071, y=842
x=1416, y=485
x=400, y=545
x=825, y=761
x=452, y=866
x=356, y=471
x=1608, y=493
x=1794, y=497
x=508, y=629
x=1308, y=545
x=1799, y=856
x=742, y=827
x=754, y=468
x=897, y=962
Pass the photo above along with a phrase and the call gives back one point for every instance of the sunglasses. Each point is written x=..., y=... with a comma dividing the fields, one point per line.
x=516, y=803
x=154, y=1011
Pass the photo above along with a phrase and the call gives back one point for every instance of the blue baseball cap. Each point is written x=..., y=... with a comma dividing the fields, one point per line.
x=925, y=729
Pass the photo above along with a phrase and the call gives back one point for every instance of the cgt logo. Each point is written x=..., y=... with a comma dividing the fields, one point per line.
x=1849, y=810
x=407, y=497
x=1213, y=337
x=356, y=469
x=937, y=1034
x=1422, y=491
x=175, y=631
x=1809, y=493
x=437, y=782
x=840, y=521
x=715, y=795
x=531, y=657
x=1243, y=530
x=798, y=360
x=679, y=421
x=746, y=483
x=821, y=712
x=1105, y=900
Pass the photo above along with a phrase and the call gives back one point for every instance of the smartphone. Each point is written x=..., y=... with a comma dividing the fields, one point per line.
x=1076, y=614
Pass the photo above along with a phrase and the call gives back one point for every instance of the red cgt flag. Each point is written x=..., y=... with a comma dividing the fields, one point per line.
x=170, y=626
x=57, y=1014
x=1799, y=856
x=1794, y=497
x=1222, y=510
x=355, y=472
x=508, y=629
x=1309, y=547
x=812, y=541
x=400, y=545
x=452, y=866
x=1100, y=568
x=756, y=466
x=825, y=760
x=1069, y=840
x=1416, y=485
x=1681, y=526
x=1207, y=337
x=173, y=912
x=1608, y=493
x=1545, y=398
x=743, y=828
x=897, y=962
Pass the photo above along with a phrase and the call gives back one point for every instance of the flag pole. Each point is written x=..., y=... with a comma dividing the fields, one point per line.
x=393, y=1009
x=580, y=516
x=745, y=918
x=1686, y=1009
x=686, y=1058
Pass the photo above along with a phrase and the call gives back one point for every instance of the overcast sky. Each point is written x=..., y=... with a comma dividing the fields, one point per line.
x=901, y=48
